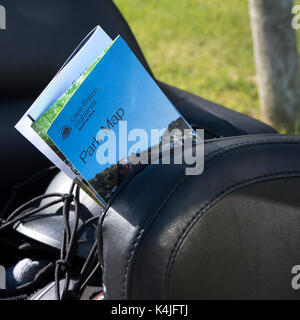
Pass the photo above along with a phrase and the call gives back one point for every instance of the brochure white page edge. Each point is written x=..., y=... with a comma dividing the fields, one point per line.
x=94, y=47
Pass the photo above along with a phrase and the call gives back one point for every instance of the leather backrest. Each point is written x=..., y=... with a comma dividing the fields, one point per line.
x=232, y=232
x=40, y=36
x=218, y=121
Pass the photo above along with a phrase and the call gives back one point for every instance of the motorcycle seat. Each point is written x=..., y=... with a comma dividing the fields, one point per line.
x=230, y=233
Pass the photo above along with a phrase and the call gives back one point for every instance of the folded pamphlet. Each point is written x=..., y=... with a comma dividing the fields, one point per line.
x=102, y=116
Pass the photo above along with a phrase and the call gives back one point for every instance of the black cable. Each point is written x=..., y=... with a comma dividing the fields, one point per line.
x=68, y=248
x=86, y=223
x=69, y=237
x=87, y=266
x=19, y=186
x=5, y=224
x=97, y=268
x=69, y=243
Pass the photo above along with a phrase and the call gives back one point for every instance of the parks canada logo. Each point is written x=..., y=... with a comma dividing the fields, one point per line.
x=66, y=131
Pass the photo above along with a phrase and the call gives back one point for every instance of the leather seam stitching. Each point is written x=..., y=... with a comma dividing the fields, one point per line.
x=199, y=214
x=131, y=253
x=210, y=157
x=139, y=235
x=252, y=143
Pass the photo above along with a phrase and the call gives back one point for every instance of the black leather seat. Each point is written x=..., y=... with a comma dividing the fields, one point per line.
x=39, y=37
x=230, y=233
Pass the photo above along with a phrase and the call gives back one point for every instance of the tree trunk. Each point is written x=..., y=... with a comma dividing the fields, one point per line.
x=2, y=17
x=277, y=64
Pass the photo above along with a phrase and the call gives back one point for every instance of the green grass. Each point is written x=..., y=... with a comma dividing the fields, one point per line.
x=202, y=46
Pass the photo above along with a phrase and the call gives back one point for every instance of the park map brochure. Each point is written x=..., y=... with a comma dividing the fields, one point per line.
x=100, y=90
